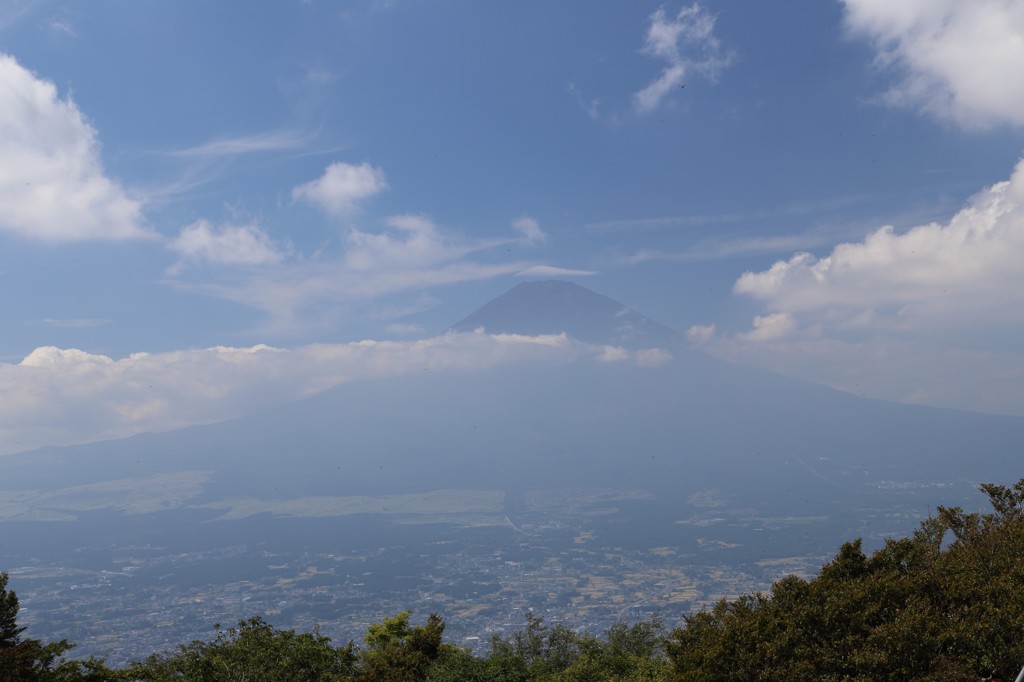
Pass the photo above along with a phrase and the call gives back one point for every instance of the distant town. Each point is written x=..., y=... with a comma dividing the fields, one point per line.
x=483, y=575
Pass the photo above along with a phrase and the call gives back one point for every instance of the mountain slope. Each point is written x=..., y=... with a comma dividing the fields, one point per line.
x=692, y=421
x=553, y=307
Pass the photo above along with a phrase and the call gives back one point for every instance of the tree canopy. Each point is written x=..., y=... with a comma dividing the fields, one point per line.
x=945, y=603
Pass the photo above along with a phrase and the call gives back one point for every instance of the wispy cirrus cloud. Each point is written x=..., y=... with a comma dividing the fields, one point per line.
x=71, y=323
x=63, y=26
x=722, y=249
x=591, y=106
x=298, y=292
x=816, y=207
x=303, y=293
x=282, y=140
x=686, y=43
x=408, y=253
x=13, y=12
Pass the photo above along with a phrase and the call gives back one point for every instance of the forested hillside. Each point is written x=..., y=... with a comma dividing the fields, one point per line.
x=945, y=603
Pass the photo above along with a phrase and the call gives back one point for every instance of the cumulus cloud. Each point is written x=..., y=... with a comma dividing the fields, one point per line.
x=688, y=46
x=60, y=396
x=771, y=327
x=923, y=315
x=967, y=268
x=959, y=61
x=342, y=186
x=226, y=245
x=52, y=184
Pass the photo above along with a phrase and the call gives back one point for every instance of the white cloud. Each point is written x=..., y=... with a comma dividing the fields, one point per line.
x=52, y=184
x=930, y=315
x=613, y=354
x=413, y=241
x=771, y=327
x=724, y=249
x=410, y=252
x=530, y=229
x=957, y=60
x=553, y=340
x=227, y=245
x=63, y=26
x=312, y=294
x=342, y=186
x=591, y=106
x=934, y=274
x=246, y=144
x=652, y=357
x=61, y=396
x=700, y=334
x=553, y=271
x=693, y=28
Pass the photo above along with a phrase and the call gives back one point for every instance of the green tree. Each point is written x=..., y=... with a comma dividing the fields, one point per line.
x=254, y=651
x=626, y=653
x=917, y=609
x=399, y=652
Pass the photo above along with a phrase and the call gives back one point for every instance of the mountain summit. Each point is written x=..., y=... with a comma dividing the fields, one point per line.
x=553, y=307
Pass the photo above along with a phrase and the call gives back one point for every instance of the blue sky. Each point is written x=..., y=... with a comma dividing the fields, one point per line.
x=181, y=176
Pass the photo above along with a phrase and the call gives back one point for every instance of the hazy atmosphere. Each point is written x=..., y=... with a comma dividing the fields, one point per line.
x=211, y=208
x=613, y=314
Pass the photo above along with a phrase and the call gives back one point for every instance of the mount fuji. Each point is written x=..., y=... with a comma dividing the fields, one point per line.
x=590, y=453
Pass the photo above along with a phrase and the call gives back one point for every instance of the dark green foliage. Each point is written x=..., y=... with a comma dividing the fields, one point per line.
x=253, y=651
x=558, y=654
x=398, y=652
x=914, y=610
x=10, y=632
